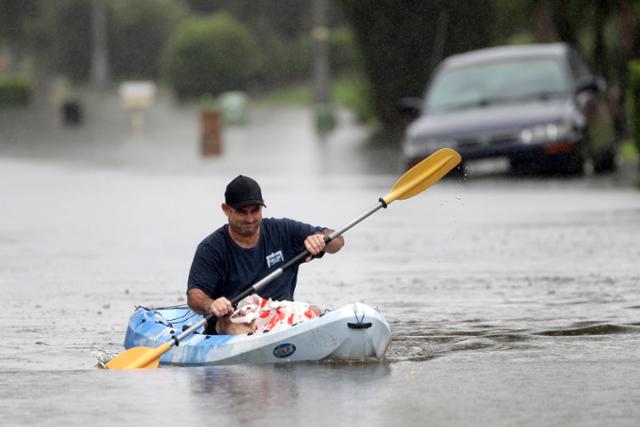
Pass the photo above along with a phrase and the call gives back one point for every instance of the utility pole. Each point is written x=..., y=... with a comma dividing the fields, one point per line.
x=325, y=120
x=100, y=76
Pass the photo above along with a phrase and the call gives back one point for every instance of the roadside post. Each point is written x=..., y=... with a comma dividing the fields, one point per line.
x=210, y=128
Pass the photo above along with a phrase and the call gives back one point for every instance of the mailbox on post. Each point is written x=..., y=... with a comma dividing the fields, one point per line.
x=136, y=96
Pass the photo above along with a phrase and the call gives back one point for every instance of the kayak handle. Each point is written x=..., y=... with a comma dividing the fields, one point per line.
x=365, y=325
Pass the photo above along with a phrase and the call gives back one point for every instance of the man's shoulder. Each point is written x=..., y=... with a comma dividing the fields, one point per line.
x=279, y=223
x=275, y=222
x=215, y=239
x=288, y=225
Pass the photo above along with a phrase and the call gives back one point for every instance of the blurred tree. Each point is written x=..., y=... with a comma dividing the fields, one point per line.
x=629, y=50
x=14, y=21
x=287, y=18
x=282, y=29
x=282, y=32
x=209, y=55
x=344, y=56
x=599, y=54
x=566, y=16
x=139, y=31
x=62, y=38
x=401, y=41
x=634, y=95
x=202, y=7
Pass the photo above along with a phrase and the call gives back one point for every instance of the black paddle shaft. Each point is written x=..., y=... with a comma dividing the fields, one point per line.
x=298, y=259
x=269, y=278
x=302, y=255
x=276, y=273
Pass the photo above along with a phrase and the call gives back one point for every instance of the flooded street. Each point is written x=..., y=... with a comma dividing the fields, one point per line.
x=512, y=301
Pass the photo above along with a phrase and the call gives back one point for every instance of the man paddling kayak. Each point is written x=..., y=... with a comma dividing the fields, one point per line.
x=245, y=250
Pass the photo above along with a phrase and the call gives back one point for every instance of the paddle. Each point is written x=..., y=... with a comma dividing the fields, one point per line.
x=414, y=181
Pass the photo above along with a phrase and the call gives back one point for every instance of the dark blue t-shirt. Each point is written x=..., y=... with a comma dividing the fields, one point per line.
x=222, y=268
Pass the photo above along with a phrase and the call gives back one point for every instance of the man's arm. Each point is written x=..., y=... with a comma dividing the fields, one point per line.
x=201, y=303
x=335, y=245
x=315, y=244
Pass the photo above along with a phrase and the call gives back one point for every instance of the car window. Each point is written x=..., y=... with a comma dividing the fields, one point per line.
x=496, y=82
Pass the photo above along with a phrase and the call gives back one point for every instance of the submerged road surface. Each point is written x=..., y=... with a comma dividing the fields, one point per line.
x=511, y=301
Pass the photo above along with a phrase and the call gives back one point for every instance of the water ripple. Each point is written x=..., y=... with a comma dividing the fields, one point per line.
x=602, y=329
x=415, y=341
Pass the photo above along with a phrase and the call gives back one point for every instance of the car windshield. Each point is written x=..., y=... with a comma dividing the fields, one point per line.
x=496, y=82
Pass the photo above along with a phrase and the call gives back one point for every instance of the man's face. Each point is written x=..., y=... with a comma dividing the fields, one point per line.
x=246, y=221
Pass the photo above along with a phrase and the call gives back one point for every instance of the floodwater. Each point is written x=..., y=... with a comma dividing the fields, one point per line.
x=512, y=301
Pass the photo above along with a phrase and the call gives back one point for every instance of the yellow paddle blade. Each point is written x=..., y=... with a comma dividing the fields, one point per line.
x=139, y=357
x=424, y=175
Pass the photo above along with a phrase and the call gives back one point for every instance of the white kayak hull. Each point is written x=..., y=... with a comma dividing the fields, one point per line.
x=353, y=332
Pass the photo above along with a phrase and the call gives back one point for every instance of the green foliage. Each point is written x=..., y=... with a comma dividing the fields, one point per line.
x=62, y=38
x=209, y=55
x=14, y=15
x=288, y=19
x=15, y=90
x=281, y=61
x=350, y=92
x=634, y=95
x=629, y=150
x=291, y=96
x=298, y=59
x=512, y=18
x=343, y=52
x=138, y=32
x=355, y=94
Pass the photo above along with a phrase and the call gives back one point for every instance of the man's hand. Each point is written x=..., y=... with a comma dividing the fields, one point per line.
x=314, y=244
x=221, y=307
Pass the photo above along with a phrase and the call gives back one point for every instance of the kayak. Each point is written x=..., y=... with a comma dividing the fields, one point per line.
x=353, y=332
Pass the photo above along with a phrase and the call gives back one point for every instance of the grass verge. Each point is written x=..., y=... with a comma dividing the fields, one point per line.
x=352, y=93
x=629, y=150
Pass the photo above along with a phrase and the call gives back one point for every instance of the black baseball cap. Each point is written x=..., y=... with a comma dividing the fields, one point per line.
x=243, y=191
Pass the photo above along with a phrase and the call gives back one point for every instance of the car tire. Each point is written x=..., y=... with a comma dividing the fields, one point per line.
x=573, y=166
x=520, y=167
x=606, y=163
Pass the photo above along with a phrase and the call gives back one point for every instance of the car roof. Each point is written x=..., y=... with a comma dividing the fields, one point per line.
x=493, y=54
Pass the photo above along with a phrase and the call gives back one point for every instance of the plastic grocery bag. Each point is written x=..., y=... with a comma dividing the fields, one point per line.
x=269, y=315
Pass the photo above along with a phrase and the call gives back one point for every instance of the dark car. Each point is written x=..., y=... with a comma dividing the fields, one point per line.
x=531, y=106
